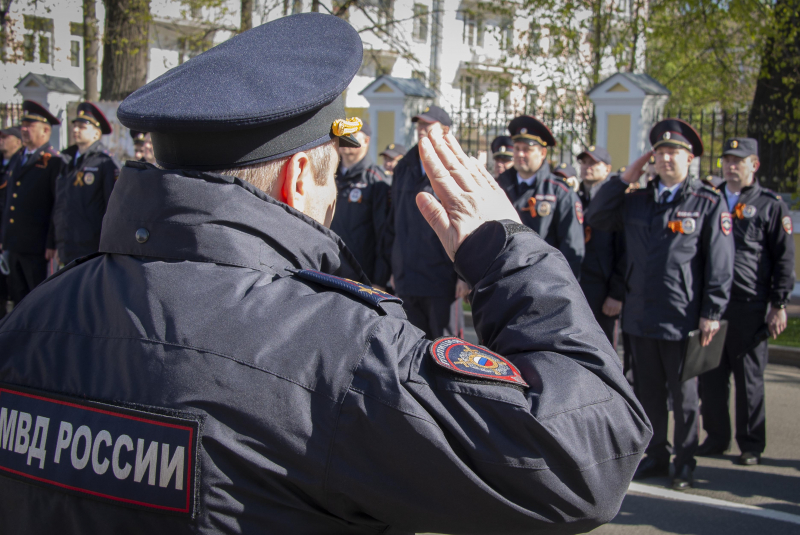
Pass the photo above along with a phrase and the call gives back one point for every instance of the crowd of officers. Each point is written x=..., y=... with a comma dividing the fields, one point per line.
x=664, y=253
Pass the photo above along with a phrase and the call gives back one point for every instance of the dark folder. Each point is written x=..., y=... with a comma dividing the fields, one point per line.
x=699, y=359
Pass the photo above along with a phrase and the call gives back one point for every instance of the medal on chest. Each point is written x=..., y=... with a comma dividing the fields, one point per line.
x=355, y=195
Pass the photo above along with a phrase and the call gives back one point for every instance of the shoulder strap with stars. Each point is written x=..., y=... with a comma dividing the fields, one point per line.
x=366, y=293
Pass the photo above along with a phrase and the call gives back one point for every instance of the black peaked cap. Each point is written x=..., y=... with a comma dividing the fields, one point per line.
x=598, y=154
x=138, y=137
x=741, y=147
x=89, y=113
x=676, y=133
x=434, y=114
x=532, y=130
x=264, y=94
x=33, y=111
x=503, y=147
x=565, y=170
x=394, y=150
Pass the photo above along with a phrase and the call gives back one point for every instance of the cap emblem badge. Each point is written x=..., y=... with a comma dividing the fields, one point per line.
x=346, y=127
x=592, y=148
x=734, y=144
x=666, y=135
x=427, y=109
x=391, y=146
x=523, y=130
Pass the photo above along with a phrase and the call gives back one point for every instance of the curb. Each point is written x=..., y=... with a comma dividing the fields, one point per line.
x=788, y=356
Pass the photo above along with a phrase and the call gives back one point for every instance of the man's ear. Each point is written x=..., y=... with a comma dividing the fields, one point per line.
x=293, y=181
x=756, y=163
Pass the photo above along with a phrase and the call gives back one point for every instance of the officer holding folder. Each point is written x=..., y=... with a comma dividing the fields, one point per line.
x=678, y=276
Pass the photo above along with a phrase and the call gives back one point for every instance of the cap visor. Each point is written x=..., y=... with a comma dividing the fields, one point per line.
x=349, y=141
x=737, y=153
x=424, y=118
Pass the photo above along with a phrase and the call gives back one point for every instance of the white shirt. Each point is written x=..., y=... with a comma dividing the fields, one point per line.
x=733, y=198
x=672, y=190
x=527, y=181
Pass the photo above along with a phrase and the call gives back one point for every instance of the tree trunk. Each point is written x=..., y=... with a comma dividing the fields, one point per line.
x=772, y=119
x=247, y=15
x=90, y=49
x=125, y=47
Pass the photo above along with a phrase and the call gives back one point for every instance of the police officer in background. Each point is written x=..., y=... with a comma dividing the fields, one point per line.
x=142, y=146
x=502, y=155
x=603, y=268
x=262, y=386
x=10, y=144
x=546, y=203
x=423, y=274
x=85, y=186
x=362, y=209
x=27, y=224
x=679, y=267
x=391, y=156
x=763, y=278
x=569, y=175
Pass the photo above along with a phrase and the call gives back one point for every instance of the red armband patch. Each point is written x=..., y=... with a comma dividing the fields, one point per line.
x=463, y=358
x=579, y=211
x=787, y=224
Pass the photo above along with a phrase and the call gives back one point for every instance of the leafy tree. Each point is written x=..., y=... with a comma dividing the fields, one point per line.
x=125, y=47
x=91, y=47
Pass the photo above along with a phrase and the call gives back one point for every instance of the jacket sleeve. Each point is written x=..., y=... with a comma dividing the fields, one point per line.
x=57, y=167
x=616, y=285
x=718, y=271
x=380, y=220
x=606, y=210
x=781, y=249
x=571, y=241
x=420, y=449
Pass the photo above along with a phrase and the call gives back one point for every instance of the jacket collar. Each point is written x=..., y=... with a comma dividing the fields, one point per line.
x=70, y=151
x=207, y=217
x=355, y=171
x=748, y=192
x=32, y=159
x=686, y=188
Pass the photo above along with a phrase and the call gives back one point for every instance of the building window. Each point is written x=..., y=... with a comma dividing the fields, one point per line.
x=28, y=47
x=297, y=6
x=534, y=40
x=44, y=49
x=75, y=53
x=507, y=35
x=473, y=29
x=420, y=33
x=41, y=31
x=470, y=90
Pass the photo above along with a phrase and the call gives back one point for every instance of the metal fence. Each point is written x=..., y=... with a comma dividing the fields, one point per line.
x=10, y=114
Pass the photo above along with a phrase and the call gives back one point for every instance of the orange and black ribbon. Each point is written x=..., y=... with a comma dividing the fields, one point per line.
x=675, y=226
x=738, y=211
x=531, y=207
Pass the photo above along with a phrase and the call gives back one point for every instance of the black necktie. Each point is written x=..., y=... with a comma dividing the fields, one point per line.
x=662, y=198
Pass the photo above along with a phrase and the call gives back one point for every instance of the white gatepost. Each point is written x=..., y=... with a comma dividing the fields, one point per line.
x=56, y=94
x=392, y=103
x=625, y=107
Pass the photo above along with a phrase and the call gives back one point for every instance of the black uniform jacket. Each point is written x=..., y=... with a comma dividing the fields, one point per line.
x=82, y=195
x=603, y=268
x=420, y=264
x=362, y=212
x=27, y=224
x=763, y=268
x=679, y=255
x=317, y=411
x=552, y=209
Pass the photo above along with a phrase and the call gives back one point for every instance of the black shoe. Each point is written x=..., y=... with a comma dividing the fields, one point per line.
x=707, y=449
x=749, y=458
x=684, y=480
x=649, y=467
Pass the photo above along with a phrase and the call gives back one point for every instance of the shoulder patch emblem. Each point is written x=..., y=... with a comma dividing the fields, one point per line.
x=579, y=212
x=366, y=293
x=786, y=221
x=726, y=223
x=463, y=358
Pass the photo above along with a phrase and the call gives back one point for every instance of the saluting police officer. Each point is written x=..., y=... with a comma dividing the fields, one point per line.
x=84, y=187
x=27, y=224
x=679, y=267
x=763, y=277
x=544, y=201
x=502, y=154
x=362, y=209
x=603, y=268
x=423, y=274
x=240, y=376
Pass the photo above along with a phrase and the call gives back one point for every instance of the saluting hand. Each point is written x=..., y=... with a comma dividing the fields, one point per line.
x=636, y=169
x=708, y=328
x=468, y=195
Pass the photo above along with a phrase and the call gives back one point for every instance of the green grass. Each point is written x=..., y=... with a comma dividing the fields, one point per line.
x=790, y=336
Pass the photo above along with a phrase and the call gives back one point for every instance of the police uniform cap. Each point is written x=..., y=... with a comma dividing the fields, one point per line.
x=393, y=150
x=598, y=154
x=33, y=111
x=565, y=170
x=267, y=93
x=138, y=137
x=12, y=131
x=433, y=114
x=366, y=130
x=532, y=130
x=676, y=133
x=741, y=147
x=502, y=147
x=89, y=113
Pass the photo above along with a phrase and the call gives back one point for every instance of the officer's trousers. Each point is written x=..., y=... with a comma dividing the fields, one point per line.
x=657, y=367
x=748, y=365
x=431, y=314
x=26, y=273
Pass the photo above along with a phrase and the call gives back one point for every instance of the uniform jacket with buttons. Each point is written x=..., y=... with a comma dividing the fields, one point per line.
x=319, y=411
x=420, y=264
x=27, y=222
x=82, y=194
x=362, y=212
x=603, y=267
x=763, y=268
x=679, y=255
x=552, y=209
x=4, y=188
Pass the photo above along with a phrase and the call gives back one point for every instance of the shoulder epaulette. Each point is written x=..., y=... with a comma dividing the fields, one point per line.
x=366, y=293
x=559, y=182
x=710, y=189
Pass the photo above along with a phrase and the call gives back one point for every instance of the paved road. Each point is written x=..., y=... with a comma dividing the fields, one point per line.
x=728, y=499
